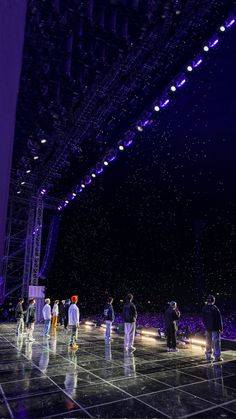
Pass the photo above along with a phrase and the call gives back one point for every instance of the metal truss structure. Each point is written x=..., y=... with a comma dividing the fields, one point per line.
x=90, y=89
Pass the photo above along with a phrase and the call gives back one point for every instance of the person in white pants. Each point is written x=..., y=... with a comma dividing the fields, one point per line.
x=47, y=317
x=73, y=314
x=130, y=317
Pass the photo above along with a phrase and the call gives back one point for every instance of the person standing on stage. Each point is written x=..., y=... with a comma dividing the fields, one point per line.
x=55, y=312
x=61, y=312
x=212, y=320
x=172, y=314
x=109, y=318
x=19, y=314
x=67, y=305
x=30, y=319
x=130, y=317
x=73, y=314
x=47, y=317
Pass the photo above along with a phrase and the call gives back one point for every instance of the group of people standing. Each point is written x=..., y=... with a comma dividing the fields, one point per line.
x=68, y=314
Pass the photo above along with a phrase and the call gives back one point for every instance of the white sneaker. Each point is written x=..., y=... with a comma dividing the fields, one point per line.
x=132, y=349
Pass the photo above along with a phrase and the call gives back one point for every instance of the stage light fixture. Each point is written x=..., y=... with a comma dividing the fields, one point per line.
x=181, y=83
x=197, y=62
x=189, y=68
x=156, y=108
x=173, y=88
x=74, y=194
x=18, y=192
x=105, y=163
x=205, y=48
x=66, y=201
x=164, y=103
x=28, y=171
x=139, y=128
x=213, y=43
x=36, y=157
x=230, y=22
x=222, y=28
x=93, y=175
x=43, y=141
x=22, y=183
x=82, y=185
x=121, y=147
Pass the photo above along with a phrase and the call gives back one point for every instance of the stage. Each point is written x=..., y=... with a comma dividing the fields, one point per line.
x=43, y=379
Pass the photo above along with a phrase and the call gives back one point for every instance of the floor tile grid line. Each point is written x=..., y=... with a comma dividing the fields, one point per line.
x=6, y=403
x=80, y=407
x=90, y=372
x=95, y=406
x=195, y=376
x=123, y=391
x=200, y=398
x=211, y=408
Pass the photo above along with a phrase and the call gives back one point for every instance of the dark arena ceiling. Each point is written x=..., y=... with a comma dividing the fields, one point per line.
x=90, y=70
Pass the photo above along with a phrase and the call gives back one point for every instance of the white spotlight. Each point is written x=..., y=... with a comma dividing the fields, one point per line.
x=139, y=128
x=173, y=88
x=36, y=157
x=93, y=174
x=105, y=163
x=18, y=192
x=121, y=147
x=156, y=108
x=28, y=171
x=82, y=185
x=222, y=28
x=22, y=183
x=43, y=141
x=189, y=68
x=205, y=48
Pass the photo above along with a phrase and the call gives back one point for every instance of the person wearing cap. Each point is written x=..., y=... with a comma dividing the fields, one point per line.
x=172, y=314
x=73, y=314
x=212, y=320
x=47, y=317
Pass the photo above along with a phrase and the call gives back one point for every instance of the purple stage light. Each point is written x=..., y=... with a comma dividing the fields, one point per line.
x=128, y=142
x=213, y=43
x=164, y=103
x=230, y=22
x=99, y=168
x=87, y=180
x=181, y=83
x=197, y=62
x=145, y=123
x=59, y=208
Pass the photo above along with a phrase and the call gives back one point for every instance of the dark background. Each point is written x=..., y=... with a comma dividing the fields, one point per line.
x=135, y=229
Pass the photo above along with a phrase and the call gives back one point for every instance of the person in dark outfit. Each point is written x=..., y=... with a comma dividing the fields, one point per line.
x=212, y=320
x=30, y=319
x=62, y=312
x=109, y=317
x=130, y=317
x=172, y=314
x=67, y=305
x=19, y=314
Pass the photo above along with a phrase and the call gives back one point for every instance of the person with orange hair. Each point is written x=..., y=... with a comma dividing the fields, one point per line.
x=73, y=314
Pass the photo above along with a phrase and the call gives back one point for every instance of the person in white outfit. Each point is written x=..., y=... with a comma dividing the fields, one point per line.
x=130, y=317
x=55, y=312
x=47, y=317
x=73, y=315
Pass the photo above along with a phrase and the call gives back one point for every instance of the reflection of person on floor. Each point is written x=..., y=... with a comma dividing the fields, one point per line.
x=108, y=355
x=73, y=315
x=28, y=350
x=55, y=312
x=109, y=318
x=71, y=378
x=212, y=320
x=129, y=364
x=130, y=317
x=19, y=344
x=47, y=317
x=172, y=314
x=19, y=314
x=30, y=319
x=44, y=358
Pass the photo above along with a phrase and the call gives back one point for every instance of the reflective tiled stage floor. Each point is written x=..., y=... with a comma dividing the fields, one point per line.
x=44, y=380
